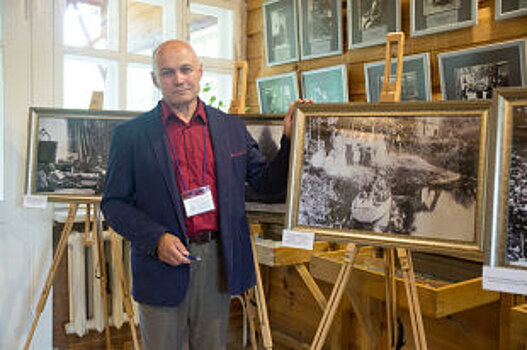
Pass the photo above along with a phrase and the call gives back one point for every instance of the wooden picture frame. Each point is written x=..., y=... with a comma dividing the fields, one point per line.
x=506, y=224
x=276, y=92
x=400, y=174
x=68, y=151
x=370, y=20
x=416, y=82
x=320, y=28
x=434, y=16
x=505, y=9
x=474, y=73
x=280, y=32
x=328, y=84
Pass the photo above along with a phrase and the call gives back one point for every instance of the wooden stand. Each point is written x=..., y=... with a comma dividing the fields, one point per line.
x=390, y=92
x=239, y=88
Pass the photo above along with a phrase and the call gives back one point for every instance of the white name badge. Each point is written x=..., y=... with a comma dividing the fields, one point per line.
x=198, y=201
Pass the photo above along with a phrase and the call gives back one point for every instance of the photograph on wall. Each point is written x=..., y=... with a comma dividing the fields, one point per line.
x=280, y=23
x=275, y=93
x=433, y=16
x=326, y=84
x=474, y=73
x=370, y=20
x=415, y=83
x=68, y=151
x=320, y=28
x=510, y=8
x=409, y=173
x=267, y=131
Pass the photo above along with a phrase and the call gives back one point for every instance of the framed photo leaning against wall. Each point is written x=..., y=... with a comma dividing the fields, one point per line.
x=326, y=84
x=276, y=92
x=509, y=8
x=433, y=16
x=280, y=32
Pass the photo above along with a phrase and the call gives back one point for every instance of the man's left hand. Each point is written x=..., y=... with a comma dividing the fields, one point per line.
x=288, y=120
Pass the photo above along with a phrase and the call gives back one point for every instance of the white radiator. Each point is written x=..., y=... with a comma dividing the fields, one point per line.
x=85, y=300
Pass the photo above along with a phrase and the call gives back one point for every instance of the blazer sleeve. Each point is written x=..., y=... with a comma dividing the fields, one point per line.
x=118, y=201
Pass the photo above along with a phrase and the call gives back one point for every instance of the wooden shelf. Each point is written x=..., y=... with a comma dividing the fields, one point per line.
x=438, y=297
x=518, y=327
x=271, y=254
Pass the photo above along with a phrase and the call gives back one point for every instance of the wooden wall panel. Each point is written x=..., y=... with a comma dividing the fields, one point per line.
x=487, y=31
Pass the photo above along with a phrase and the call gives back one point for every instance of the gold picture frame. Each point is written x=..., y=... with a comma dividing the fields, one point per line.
x=405, y=174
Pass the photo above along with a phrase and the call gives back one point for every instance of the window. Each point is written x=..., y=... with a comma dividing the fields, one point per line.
x=1, y=107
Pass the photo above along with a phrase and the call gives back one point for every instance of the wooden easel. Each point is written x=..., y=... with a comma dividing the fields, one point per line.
x=390, y=92
x=239, y=88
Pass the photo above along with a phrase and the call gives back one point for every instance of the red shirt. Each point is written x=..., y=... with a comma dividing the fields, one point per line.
x=187, y=141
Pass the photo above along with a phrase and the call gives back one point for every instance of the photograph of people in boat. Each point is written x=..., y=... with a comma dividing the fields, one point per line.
x=478, y=81
x=402, y=175
x=517, y=201
x=72, y=155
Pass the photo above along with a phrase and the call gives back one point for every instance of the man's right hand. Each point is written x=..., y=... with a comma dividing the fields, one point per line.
x=171, y=250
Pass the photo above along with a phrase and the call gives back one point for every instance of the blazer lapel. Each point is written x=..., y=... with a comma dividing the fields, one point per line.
x=156, y=134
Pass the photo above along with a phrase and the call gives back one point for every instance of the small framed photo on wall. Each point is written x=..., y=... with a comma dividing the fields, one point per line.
x=280, y=32
x=320, y=28
x=510, y=8
x=433, y=16
x=275, y=93
x=473, y=73
x=326, y=84
x=370, y=20
x=416, y=83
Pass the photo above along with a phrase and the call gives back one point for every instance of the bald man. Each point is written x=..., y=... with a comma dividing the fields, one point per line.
x=175, y=188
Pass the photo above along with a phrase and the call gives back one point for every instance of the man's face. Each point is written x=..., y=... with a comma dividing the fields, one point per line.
x=177, y=74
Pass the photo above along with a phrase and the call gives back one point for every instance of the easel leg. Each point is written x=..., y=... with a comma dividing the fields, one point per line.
x=102, y=269
x=118, y=261
x=251, y=316
x=311, y=285
x=414, y=308
x=391, y=297
x=51, y=274
x=336, y=296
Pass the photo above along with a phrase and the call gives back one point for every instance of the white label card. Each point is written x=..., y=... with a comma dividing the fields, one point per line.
x=33, y=201
x=297, y=239
x=198, y=201
x=505, y=279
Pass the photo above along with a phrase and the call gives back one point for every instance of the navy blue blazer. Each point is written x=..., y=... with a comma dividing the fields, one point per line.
x=141, y=200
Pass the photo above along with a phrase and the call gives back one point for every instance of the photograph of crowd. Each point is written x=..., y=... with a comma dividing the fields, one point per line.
x=478, y=81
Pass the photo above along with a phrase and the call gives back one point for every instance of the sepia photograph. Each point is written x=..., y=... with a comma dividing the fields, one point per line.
x=509, y=8
x=402, y=173
x=281, y=44
x=415, y=85
x=69, y=150
x=474, y=73
x=326, y=84
x=320, y=28
x=370, y=20
x=433, y=16
x=276, y=92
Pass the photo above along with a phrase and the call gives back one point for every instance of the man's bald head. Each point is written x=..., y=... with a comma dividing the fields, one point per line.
x=176, y=45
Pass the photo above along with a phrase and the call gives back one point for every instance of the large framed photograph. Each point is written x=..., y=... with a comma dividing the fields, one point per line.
x=320, y=28
x=68, y=151
x=473, y=73
x=416, y=83
x=510, y=8
x=280, y=32
x=326, y=84
x=267, y=130
x=433, y=16
x=276, y=92
x=370, y=20
x=506, y=226
x=408, y=174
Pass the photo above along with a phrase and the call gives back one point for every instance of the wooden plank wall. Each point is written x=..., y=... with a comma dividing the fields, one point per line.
x=487, y=31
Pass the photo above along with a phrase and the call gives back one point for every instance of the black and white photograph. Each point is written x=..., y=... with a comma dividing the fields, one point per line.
x=69, y=151
x=370, y=20
x=509, y=8
x=320, y=28
x=474, y=73
x=276, y=92
x=393, y=173
x=415, y=85
x=433, y=16
x=280, y=30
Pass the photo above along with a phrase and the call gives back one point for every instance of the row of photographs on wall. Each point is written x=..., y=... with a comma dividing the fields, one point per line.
x=443, y=176
x=467, y=74
x=318, y=32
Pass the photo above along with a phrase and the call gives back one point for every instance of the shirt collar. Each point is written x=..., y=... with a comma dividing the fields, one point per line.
x=199, y=113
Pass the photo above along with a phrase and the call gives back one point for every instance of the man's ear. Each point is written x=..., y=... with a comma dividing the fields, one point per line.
x=154, y=79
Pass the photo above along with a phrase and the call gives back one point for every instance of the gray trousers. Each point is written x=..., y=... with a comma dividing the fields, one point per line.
x=201, y=320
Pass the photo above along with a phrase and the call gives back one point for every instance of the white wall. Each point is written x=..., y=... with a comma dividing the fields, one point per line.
x=25, y=234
